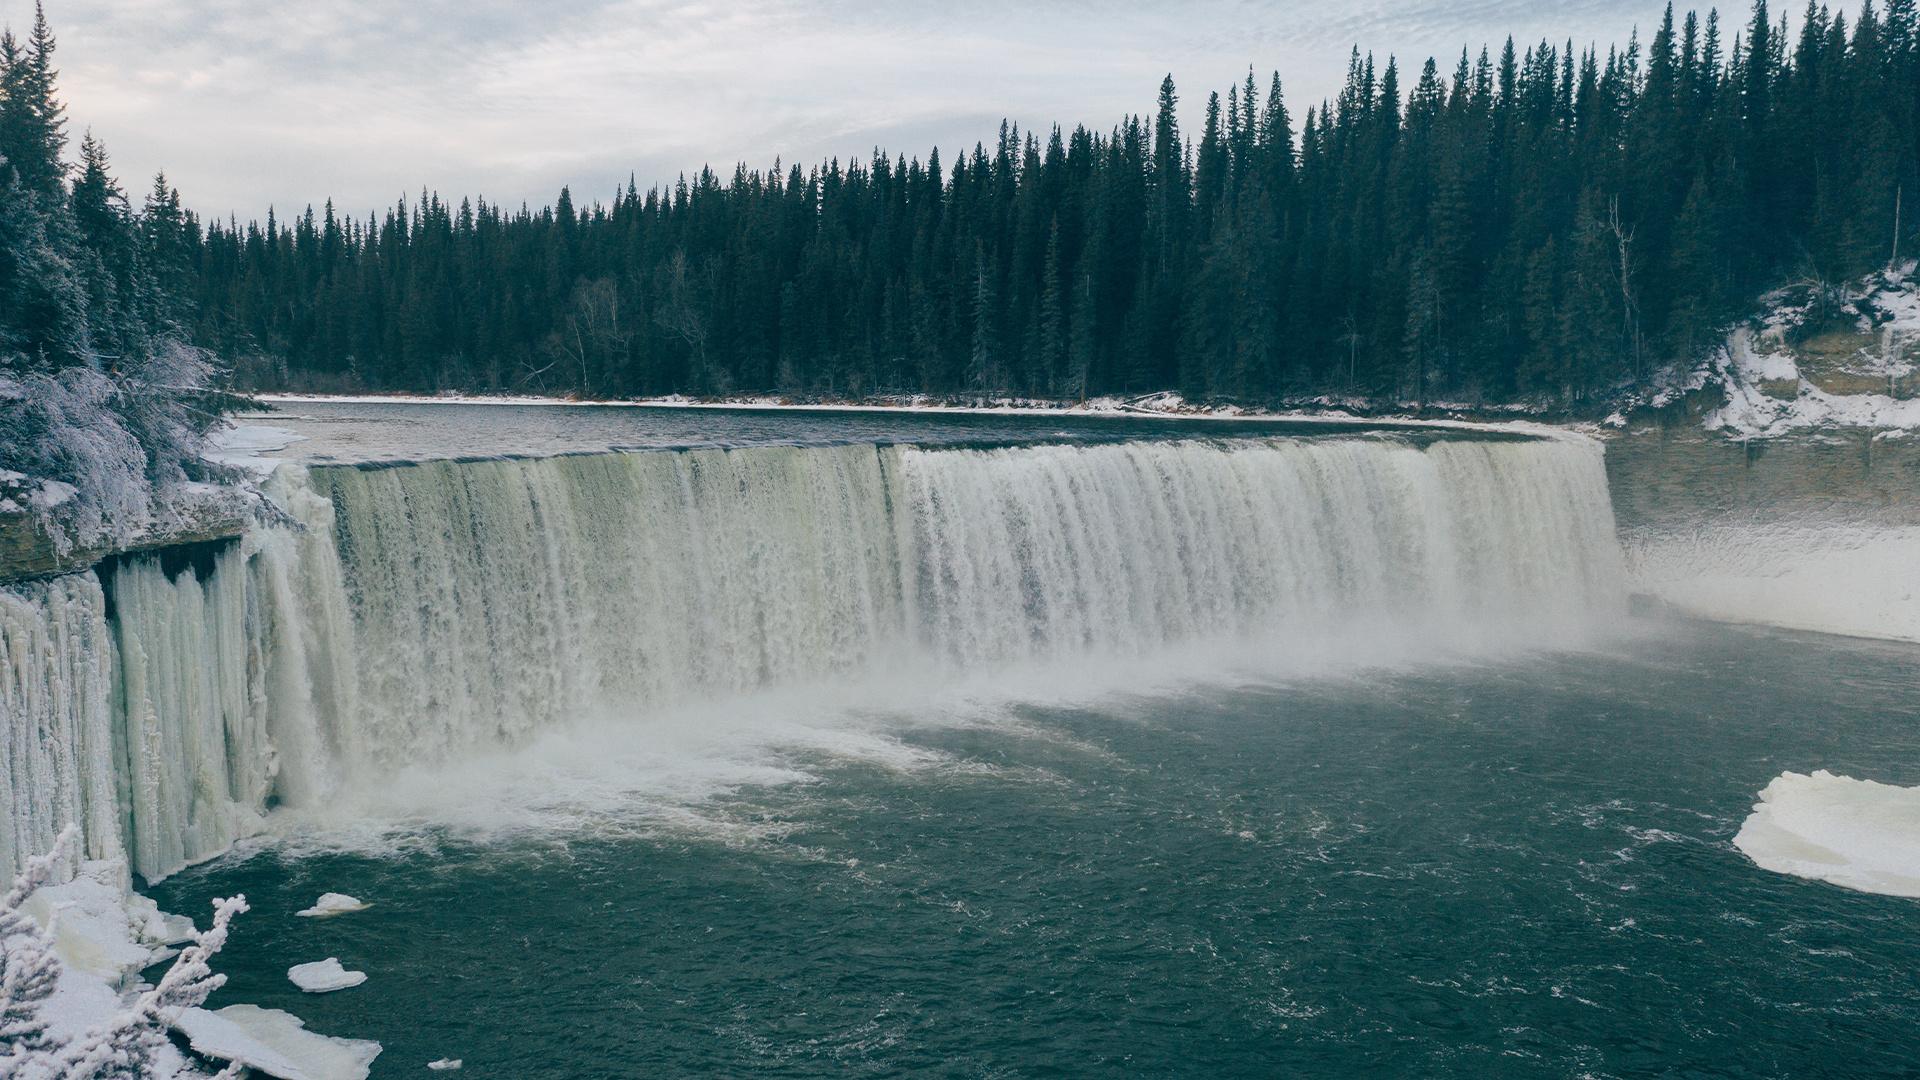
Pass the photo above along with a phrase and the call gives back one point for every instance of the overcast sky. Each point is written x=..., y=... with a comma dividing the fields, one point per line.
x=247, y=103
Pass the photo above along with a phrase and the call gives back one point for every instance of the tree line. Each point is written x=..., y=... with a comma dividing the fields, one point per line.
x=100, y=386
x=1543, y=222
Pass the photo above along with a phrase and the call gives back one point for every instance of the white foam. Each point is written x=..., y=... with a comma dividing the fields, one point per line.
x=275, y=1043
x=1859, y=834
x=331, y=904
x=445, y=1064
x=324, y=976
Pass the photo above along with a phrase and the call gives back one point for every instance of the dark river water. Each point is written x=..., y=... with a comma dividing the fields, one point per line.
x=363, y=432
x=1510, y=869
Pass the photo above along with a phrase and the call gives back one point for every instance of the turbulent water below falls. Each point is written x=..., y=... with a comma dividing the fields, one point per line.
x=432, y=615
x=1513, y=869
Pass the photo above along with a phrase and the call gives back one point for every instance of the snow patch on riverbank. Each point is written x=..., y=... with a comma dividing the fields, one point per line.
x=1822, y=357
x=104, y=936
x=1858, y=834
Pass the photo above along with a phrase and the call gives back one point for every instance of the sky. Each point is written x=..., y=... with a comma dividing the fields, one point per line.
x=247, y=104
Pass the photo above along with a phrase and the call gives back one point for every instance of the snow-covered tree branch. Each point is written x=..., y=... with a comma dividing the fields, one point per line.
x=121, y=1047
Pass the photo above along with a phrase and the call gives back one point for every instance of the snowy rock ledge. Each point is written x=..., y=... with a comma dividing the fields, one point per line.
x=1824, y=358
x=1858, y=834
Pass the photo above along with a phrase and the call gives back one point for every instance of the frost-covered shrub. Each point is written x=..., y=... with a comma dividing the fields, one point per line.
x=123, y=1045
x=62, y=427
x=103, y=404
x=122, y=442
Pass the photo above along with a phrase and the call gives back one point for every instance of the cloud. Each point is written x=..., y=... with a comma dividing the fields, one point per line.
x=247, y=103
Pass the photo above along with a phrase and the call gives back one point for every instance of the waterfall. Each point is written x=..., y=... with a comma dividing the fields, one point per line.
x=428, y=611
x=56, y=731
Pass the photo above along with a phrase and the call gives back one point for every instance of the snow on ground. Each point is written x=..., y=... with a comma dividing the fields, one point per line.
x=324, y=976
x=331, y=904
x=1771, y=382
x=275, y=1043
x=105, y=936
x=908, y=402
x=102, y=946
x=1860, y=581
x=93, y=932
x=1854, y=833
x=1166, y=405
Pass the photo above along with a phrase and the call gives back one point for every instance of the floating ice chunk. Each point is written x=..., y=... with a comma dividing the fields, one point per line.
x=323, y=976
x=444, y=1064
x=331, y=904
x=275, y=1043
x=1855, y=833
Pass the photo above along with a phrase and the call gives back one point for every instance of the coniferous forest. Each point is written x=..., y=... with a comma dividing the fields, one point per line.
x=1539, y=222
x=101, y=386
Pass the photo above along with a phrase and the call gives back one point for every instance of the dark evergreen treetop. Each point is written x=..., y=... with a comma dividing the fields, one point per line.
x=1547, y=222
x=98, y=385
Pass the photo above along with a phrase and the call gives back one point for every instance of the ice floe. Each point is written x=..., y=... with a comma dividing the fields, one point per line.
x=331, y=904
x=275, y=1043
x=324, y=976
x=1859, y=834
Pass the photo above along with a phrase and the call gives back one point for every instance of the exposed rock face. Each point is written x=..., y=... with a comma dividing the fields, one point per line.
x=28, y=550
x=1813, y=531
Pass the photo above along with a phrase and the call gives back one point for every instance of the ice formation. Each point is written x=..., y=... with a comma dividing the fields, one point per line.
x=324, y=976
x=331, y=904
x=1860, y=834
x=275, y=1043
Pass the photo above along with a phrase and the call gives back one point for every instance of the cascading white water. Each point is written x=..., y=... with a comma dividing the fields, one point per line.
x=1012, y=553
x=432, y=610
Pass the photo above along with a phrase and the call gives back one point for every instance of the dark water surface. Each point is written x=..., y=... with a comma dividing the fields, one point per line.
x=1511, y=870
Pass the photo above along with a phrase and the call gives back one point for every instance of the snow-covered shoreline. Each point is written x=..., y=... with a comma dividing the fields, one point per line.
x=105, y=935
